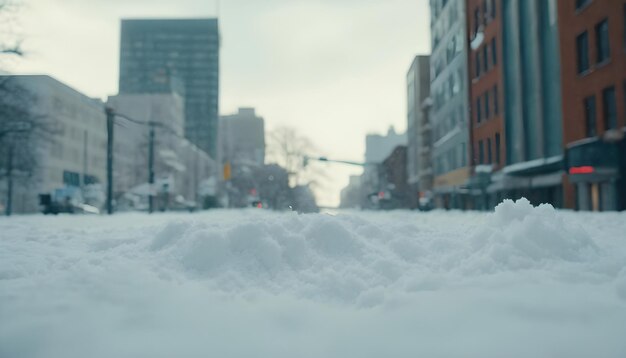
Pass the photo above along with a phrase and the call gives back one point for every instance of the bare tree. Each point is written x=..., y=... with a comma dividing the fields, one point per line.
x=288, y=148
x=21, y=132
x=8, y=44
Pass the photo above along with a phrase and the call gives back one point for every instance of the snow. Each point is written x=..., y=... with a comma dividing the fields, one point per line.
x=521, y=282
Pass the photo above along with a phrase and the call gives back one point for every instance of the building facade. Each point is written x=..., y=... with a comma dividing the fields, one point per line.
x=449, y=91
x=242, y=138
x=531, y=98
x=176, y=55
x=487, y=139
x=70, y=157
x=377, y=149
x=418, y=90
x=593, y=72
x=180, y=167
x=394, y=180
x=425, y=169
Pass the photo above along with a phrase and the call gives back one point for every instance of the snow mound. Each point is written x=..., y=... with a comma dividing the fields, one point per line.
x=523, y=281
x=519, y=235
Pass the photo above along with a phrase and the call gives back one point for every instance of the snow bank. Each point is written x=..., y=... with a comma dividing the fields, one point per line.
x=521, y=236
x=523, y=281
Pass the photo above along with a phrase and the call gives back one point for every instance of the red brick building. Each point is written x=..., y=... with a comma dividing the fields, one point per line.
x=485, y=90
x=593, y=72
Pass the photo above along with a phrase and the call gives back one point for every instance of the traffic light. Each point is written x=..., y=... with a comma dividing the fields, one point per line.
x=227, y=173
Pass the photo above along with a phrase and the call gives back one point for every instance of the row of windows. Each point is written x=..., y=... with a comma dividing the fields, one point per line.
x=487, y=105
x=448, y=19
x=447, y=90
x=486, y=150
x=449, y=123
x=603, y=46
x=453, y=49
x=609, y=110
x=453, y=159
x=73, y=179
x=486, y=58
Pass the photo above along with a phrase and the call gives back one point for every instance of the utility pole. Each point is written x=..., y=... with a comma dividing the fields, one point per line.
x=151, y=170
x=110, y=122
x=9, y=207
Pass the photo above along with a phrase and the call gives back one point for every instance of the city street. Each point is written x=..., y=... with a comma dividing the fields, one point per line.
x=520, y=282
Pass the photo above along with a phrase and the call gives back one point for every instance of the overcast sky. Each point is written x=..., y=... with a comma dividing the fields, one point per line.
x=334, y=69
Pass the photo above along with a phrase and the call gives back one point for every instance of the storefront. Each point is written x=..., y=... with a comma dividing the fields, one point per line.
x=597, y=169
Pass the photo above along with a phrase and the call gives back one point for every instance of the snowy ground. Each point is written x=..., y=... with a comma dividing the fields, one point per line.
x=523, y=282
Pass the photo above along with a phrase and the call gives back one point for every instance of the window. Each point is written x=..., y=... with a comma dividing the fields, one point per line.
x=493, y=9
x=590, y=115
x=485, y=13
x=496, y=109
x=498, y=148
x=476, y=19
x=581, y=3
x=582, y=52
x=478, y=111
x=485, y=58
x=477, y=64
x=610, y=110
x=489, y=154
x=481, y=152
x=603, y=50
x=71, y=178
x=494, y=52
x=624, y=34
x=487, y=111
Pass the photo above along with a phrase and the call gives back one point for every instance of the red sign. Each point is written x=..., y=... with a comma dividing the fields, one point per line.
x=582, y=170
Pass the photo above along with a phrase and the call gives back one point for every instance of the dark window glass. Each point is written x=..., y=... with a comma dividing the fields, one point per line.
x=494, y=52
x=485, y=12
x=496, y=109
x=582, y=52
x=476, y=19
x=498, y=148
x=478, y=110
x=581, y=3
x=590, y=115
x=477, y=64
x=481, y=152
x=624, y=21
x=610, y=110
x=489, y=154
x=493, y=9
x=71, y=178
x=487, y=110
x=485, y=58
x=603, y=50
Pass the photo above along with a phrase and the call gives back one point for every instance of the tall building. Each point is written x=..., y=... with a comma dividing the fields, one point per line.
x=176, y=55
x=532, y=103
x=449, y=91
x=418, y=90
x=377, y=149
x=71, y=154
x=487, y=139
x=593, y=72
x=242, y=138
